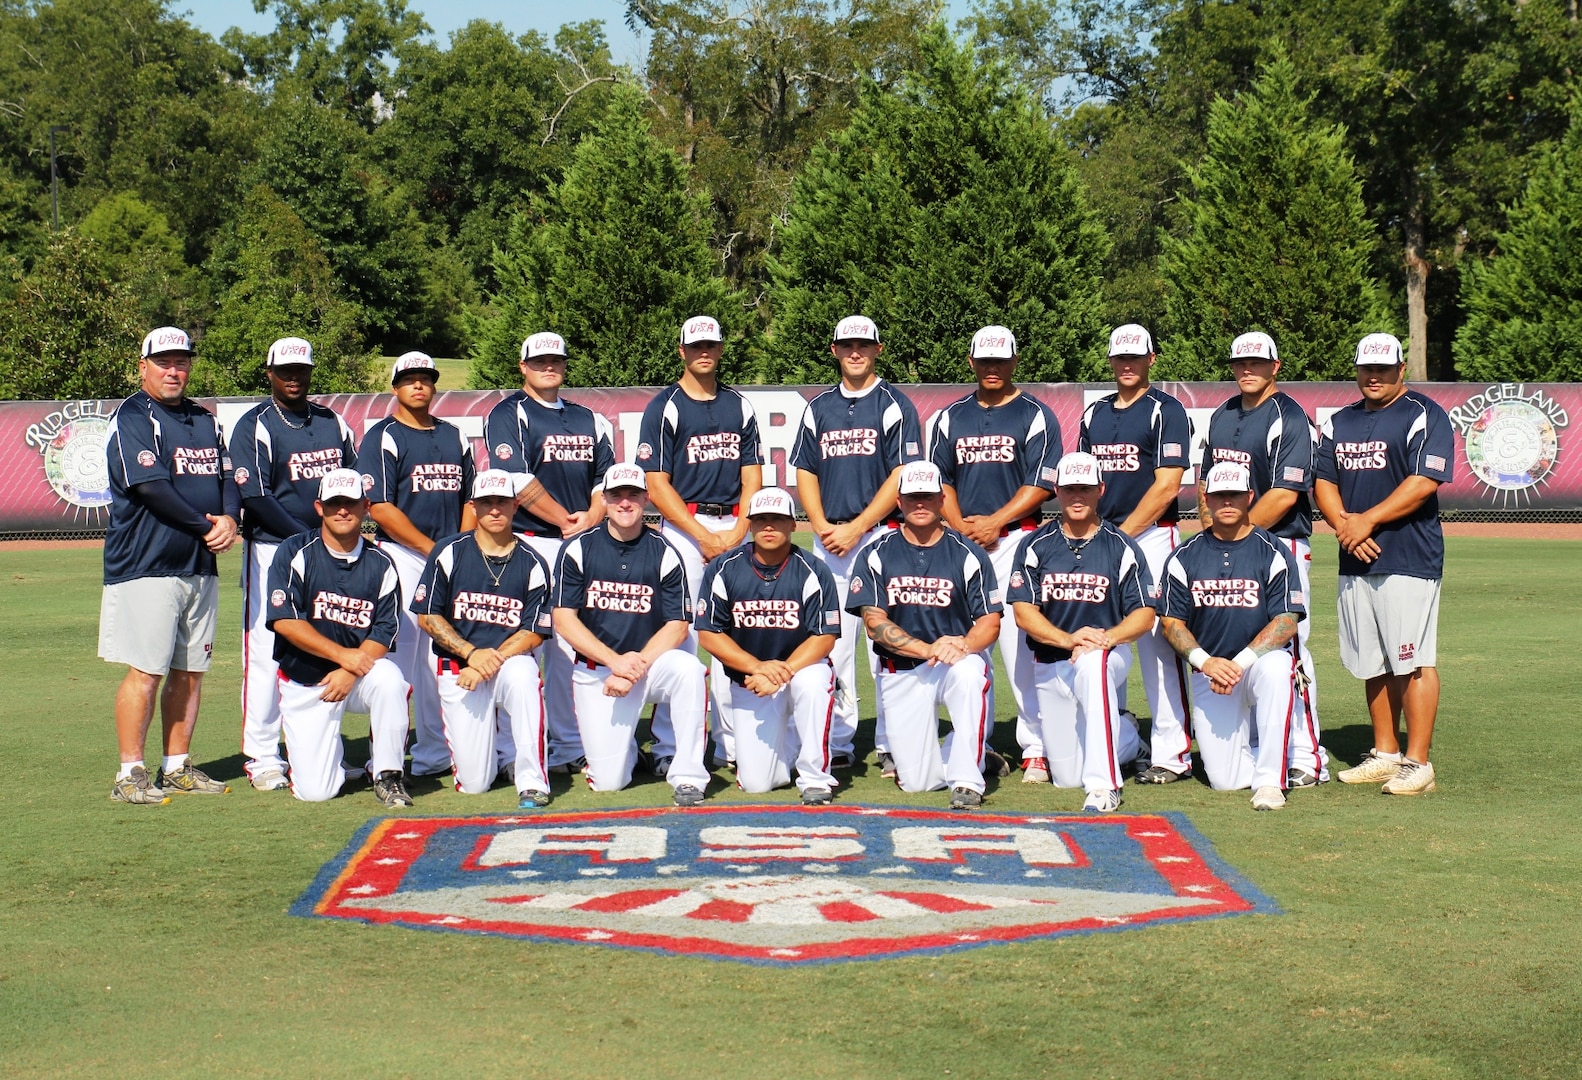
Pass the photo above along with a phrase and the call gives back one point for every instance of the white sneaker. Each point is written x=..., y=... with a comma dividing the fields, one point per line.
x=270, y=780
x=1268, y=797
x=1102, y=802
x=1411, y=779
x=1372, y=769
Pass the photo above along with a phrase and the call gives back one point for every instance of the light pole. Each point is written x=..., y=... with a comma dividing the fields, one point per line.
x=54, y=177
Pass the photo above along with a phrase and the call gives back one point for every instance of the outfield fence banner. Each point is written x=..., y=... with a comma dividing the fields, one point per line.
x=53, y=478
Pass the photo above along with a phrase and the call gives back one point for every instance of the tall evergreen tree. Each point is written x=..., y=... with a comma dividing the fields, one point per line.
x=1275, y=238
x=614, y=259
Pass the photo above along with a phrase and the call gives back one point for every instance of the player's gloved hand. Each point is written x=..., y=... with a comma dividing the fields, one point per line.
x=981, y=531
x=470, y=679
x=761, y=685
x=1223, y=674
x=842, y=538
x=486, y=662
x=222, y=536
x=337, y=685
x=356, y=663
x=947, y=650
x=617, y=686
x=630, y=666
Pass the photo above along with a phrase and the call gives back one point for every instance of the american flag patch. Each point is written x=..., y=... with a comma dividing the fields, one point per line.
x=1296, y=597
x=832, y=618
x=911, y=448
x=1434, y=461
x=1048, y=474
x=1294, y=475
x=1172, y=449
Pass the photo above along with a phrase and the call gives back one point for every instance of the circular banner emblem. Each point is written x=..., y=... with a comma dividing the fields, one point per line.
x=1511, y=445
x=74, y=462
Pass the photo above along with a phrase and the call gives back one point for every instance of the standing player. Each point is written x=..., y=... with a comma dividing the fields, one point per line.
x=173, y=508
x=484, y=600
x=1380, y=465
x=928, y=599
x=281, y=449
x=418, y=470
x=1229, y=608
x=852, y=442
x=1141, y=436
x=770, y=613
x=562, y=449
x=621, y=601
x=699, y=445
x=333, y=603
x=1267, y=431
x=1080, y=591
x=997, y=449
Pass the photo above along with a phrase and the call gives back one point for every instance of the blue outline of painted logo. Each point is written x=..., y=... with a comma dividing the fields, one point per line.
x=781, y=885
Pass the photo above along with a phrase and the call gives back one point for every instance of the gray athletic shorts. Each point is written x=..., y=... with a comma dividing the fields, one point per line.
x=1389, y=623
x=155, y=624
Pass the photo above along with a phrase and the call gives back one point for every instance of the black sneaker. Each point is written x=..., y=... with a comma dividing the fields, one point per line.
x=390, y=789
x=660, y=766
x=817, y=796
x=1300, y=778
x=994, y=764
x=965, y=799
x=687, y=795
x=1158, y=774
x=842, y=761
x=568, y=767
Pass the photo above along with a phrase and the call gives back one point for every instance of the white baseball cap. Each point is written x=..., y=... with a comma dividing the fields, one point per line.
x=544, y=344
x=1379, y=350
x=1254, y=346
x=993, y=343
x=1077, y=469
x=625, y=475
x=1133, y=339
x=340, y=484
x=771, y=500
x=290, y=350
x=921, y=478
x=700, y=328
x=413, y=361
x=494, y=484
x=1230, y=476
x=166, y=339
x=856, y=328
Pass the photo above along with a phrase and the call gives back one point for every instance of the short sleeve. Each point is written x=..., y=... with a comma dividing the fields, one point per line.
x=1284, y=593
x=714, y=609
x=348, y=444
x=138, y=443
x=1021, y=587
x=908, y=433
x=804, y=452
x=502, y=433
x=1324, y=456
x=432, y=594
x=941, y=451
x=251, y=456
x=983, y=591
x=387, y=609
x=752, y=448
x=286, y=593
x=1175, y=436
x=1433, y=450
x=603, y=449
x=867, y=574
x=537, y=602
x=1042, y=448
x=1175, y=599
x=381, y=464
x=656, y=436
x=674, y=601
x=1135, y=582
x=821, y=606
x=571, y=585
x=1291, y=456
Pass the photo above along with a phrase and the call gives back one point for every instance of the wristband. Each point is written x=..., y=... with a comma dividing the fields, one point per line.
x=1197, y=658
x=1245, y=659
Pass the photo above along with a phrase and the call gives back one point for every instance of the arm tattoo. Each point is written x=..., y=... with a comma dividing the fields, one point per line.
x=884, y=632
x=531, y=494
x=1275, y=635
x=444, y=634
x=1179, y=637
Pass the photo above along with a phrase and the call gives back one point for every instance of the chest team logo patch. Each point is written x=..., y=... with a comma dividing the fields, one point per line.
x=780, y=885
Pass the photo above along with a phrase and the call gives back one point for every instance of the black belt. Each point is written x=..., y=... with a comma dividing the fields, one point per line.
x=893, y=664
x=716, y=509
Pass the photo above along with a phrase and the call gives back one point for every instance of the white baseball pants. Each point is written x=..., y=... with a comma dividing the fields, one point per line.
x=414, y=655
x=555, y=660
x=312, y=727
x=1086, y=739
x=791, y=725
x=1306, y=751
x=911, y=703
x=260, y=673
x=848, y=709
x=470, y=726
x=1263, y=706
x=609, y=725
x=1163, y=672
x=1015, y=655
x=718, y=694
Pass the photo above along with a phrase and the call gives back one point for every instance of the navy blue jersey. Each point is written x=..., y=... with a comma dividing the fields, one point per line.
x=1077, y=583
x=624, y=591
x=702, y=445
x=853, y=444
x=149, y=441
x=1226, y=591
x=930, y=592
x=283, y=455
x=1368, y=454
x=349, y=599
x=485, y=602
x=1275, y=442
x=988, y=455
x=567, y=447
x=1151, y=433
x=426, y=474
x=768, y=612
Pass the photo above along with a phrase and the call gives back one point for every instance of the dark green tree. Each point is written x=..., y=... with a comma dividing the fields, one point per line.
x=140, y=249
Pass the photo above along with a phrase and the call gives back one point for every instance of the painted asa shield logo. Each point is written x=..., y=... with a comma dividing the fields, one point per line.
x=782, y=884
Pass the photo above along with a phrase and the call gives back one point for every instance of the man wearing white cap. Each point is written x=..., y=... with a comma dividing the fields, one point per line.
x=1380, y=464
x=281, y=450
x=622, y=603
x=173, y=508
x=1081, y=592
x=1267, y=431
x=770, y=612
x=1230, y=606
x=484, y=600
x=997, y=449
x=1141, y=436
x=851, y=444
x=699, y=444
x=928, y=598
x=417, y=470
x=333, y=605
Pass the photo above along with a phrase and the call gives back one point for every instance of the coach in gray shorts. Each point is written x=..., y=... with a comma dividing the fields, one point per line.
x=173, y=508
x=1379, y=467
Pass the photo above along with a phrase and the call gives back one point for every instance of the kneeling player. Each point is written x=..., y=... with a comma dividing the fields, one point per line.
x=484, y=599
x=1079, y=589
x=769, y=613
x=928, y=598
x=1230, y=606
x=334, y=603
x=621, y=603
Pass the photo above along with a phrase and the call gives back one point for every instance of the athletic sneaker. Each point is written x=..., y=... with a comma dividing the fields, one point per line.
x=270, y=780
x=566, y=768
x=1268, y=797
x=1158, y=774
x=1412, y=779
x=532, y=800
x=390, y=789
x=817, y=796
x=886, y=764
x=1372, y=769
x=687, y=795
x=842, y=761
x=994, y=764
x=1102, y=802
x=189, y=781
x=1035, y=770
x=964, y=798
x=1300, y=778
x=139, y=788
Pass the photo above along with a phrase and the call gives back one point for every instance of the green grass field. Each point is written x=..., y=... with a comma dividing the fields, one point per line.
x=1431, y=937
